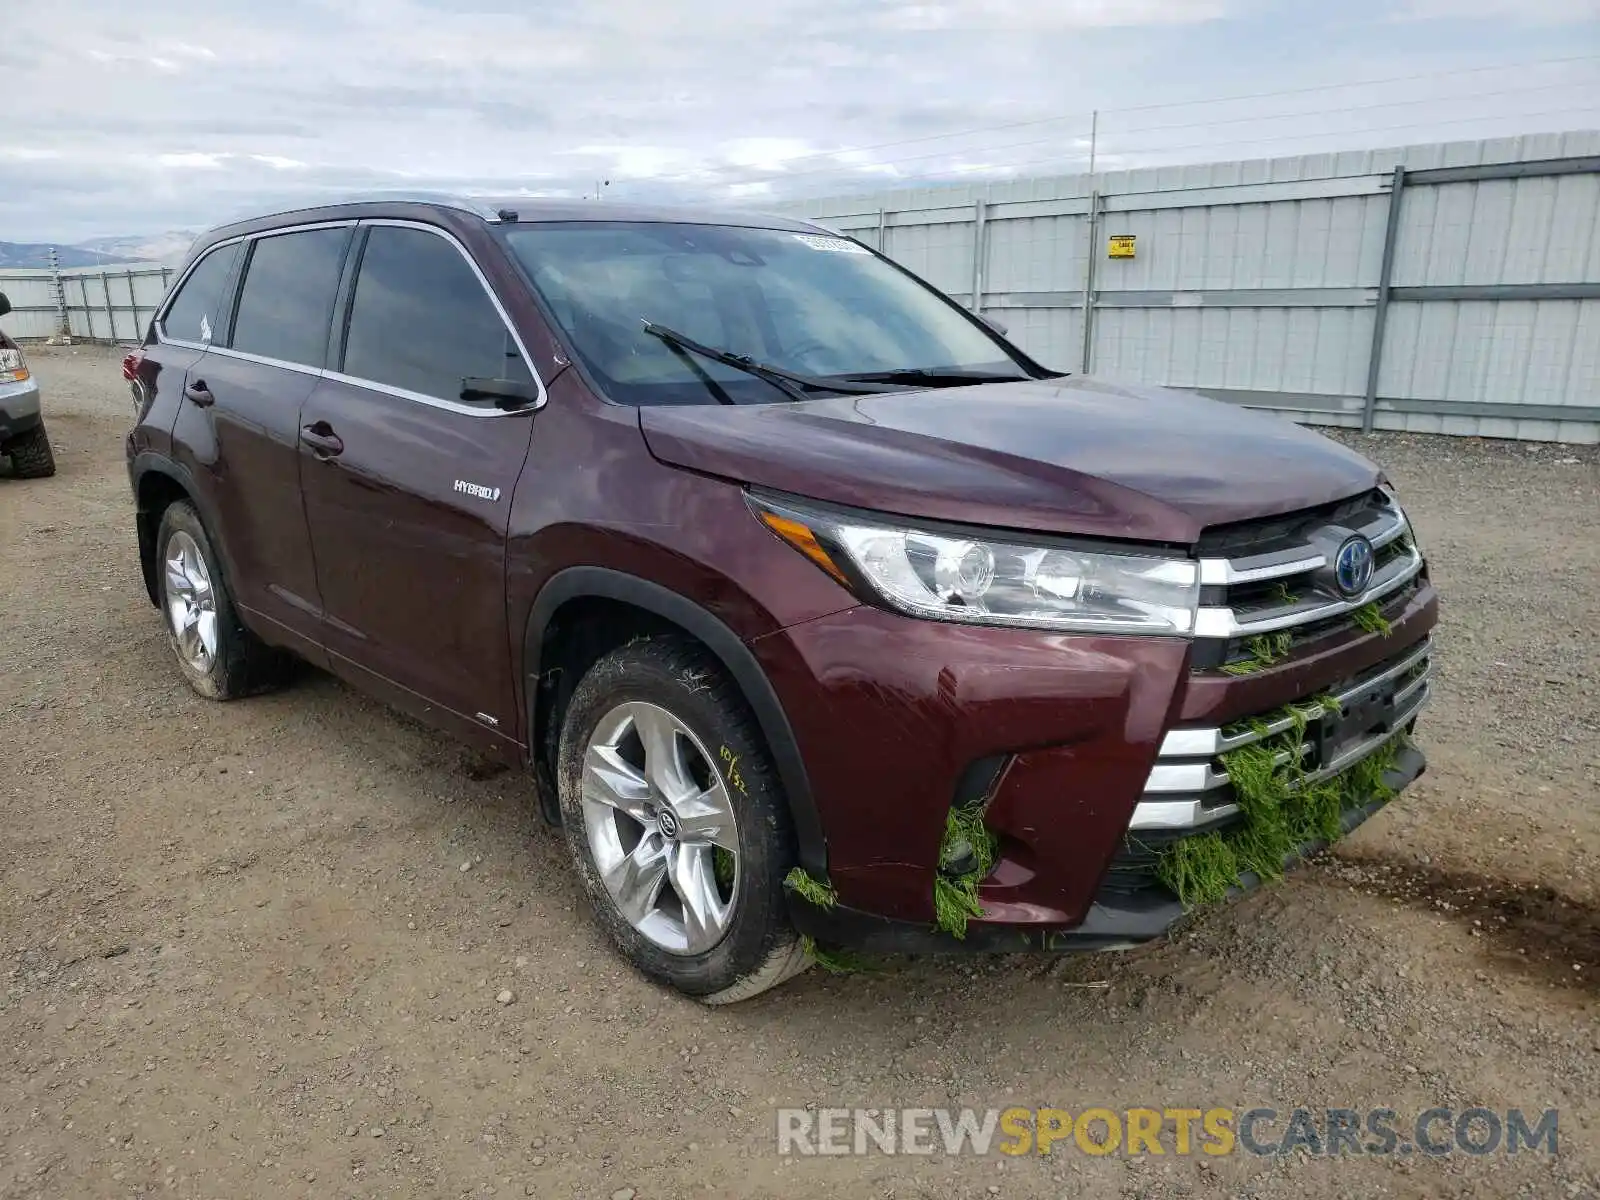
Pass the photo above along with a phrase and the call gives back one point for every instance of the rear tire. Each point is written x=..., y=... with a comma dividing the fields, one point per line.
x=731, y=939
x=31, y=456
x=220, y=658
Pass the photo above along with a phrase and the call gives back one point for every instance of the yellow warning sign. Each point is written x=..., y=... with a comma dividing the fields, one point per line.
x=1122, y=245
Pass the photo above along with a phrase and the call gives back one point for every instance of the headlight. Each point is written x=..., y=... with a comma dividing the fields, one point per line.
x=993, y=581
x=13, y=367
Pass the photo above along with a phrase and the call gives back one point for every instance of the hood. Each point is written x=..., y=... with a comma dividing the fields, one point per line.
x=1072, y=455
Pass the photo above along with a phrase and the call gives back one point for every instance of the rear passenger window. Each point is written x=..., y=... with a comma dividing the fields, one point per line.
x=288, y=295
x=421, y=319
x=192, y=316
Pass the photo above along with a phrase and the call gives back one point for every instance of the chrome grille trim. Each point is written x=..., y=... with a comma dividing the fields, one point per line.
x=1198, y=776
x=1178, y=814
x=1220, y=621
x=1226, y=571
x=1386, y=526
x=1206, y=742
x=1193, y=813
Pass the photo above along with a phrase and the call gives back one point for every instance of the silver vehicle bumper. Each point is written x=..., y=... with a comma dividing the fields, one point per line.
x=19, y=408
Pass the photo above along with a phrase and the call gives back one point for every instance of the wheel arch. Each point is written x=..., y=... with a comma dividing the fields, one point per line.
x=669, y=610
x=157, y=483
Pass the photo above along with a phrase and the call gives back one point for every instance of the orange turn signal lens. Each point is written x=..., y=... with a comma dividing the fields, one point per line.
x=803, y=540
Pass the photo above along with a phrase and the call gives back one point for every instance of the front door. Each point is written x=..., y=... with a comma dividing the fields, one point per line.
x=408, y=488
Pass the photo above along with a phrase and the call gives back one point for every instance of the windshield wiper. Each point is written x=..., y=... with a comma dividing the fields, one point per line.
x=788, y=382
x=935, y=376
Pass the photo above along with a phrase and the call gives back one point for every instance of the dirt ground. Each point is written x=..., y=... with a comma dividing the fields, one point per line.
x=255, y=949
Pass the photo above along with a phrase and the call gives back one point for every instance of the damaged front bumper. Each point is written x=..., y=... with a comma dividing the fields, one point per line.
x=1118, y=917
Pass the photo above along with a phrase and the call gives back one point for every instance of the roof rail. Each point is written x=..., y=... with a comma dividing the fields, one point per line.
x=489, y=210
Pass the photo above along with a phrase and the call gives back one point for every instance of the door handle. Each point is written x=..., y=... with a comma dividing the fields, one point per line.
x=324, y=442
x=198, y=393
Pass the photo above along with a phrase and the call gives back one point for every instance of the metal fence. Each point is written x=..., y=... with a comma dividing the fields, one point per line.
x=1451, y=288
x=112, y=304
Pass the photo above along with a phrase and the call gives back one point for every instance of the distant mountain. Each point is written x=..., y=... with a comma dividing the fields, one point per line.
x=29, y=254
x=99, y=252
x=169, y=247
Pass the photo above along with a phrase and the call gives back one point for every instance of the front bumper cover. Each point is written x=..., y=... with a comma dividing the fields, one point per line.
x=1115, y=920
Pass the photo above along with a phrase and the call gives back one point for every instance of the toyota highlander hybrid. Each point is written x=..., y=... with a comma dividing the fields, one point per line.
x=823, y=615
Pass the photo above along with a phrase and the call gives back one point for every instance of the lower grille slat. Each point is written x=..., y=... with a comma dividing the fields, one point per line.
x=1189, y=788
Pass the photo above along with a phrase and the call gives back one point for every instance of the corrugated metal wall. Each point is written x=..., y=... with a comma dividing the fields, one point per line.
x=113, y=304
x=1263, y=282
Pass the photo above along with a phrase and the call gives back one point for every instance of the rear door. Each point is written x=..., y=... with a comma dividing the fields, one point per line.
x=240, y=425
x=181, y=334
x=408, y=488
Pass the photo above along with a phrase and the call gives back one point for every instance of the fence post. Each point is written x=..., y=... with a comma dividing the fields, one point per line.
x=883, y=229
x=59, y=290
x=1088, y=282
x=111, y=316
x=980, y=251
x=88, y=314
x=133, y=305
x=1380, y=313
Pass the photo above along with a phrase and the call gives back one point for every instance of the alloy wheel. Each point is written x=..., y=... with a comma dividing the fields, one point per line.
x=191, y=604
x=661, y=827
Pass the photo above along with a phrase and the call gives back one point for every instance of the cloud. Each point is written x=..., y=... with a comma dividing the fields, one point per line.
x=989, y=15
x=1547, y=12
x=124, y=119
x=193, y=161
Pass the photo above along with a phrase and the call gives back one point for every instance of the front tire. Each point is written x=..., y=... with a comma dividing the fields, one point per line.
x=31, y=456
x=676, y=823
x=221, y=659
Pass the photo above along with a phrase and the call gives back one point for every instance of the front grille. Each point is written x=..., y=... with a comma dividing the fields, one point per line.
x=1245, y=539
x=1189, y=790
x=1269, y=577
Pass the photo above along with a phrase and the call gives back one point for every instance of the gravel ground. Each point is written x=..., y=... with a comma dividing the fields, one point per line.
x=263, y=948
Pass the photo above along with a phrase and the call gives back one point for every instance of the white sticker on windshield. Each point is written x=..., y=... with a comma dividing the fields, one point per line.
x=837, y=244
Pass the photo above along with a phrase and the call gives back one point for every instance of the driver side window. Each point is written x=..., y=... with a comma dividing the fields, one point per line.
x=421, y=319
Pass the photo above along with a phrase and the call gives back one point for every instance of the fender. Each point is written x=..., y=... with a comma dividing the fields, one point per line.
x=736, y=658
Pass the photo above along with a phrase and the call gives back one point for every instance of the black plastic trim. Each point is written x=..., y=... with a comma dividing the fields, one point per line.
x=977, y=780
x=603, y=583
x=15, y=427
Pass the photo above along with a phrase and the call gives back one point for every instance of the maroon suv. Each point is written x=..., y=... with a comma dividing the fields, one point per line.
x=822, y=614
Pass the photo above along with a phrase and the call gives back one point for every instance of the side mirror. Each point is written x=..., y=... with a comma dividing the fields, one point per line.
x=998, y=326
x=5, y=305
x=506, y=393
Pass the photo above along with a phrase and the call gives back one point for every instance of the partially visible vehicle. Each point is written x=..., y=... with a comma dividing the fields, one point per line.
x=22, y=436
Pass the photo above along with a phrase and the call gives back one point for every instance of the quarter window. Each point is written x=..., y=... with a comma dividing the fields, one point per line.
x=421, y=319
x=192, y=316
x=288, y=295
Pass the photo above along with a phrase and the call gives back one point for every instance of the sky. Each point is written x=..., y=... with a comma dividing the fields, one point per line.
x=179, y=114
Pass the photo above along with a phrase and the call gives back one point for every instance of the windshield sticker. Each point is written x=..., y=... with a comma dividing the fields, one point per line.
x=837, y=244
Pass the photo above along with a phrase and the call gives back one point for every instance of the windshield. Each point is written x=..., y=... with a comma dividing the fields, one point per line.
x=810, y=304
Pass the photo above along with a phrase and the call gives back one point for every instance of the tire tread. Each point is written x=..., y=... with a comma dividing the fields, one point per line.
x=31, y=455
